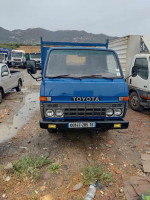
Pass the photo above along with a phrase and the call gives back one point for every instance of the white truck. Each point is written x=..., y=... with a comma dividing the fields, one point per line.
x=9, y=80
x=18, y=58
x=36, y=56
x=134, y=55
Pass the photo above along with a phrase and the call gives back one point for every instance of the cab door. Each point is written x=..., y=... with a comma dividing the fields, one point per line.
x=140, y=82
x=6, y=80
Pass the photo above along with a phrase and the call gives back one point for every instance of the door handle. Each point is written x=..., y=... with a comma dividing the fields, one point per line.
x=130, y=80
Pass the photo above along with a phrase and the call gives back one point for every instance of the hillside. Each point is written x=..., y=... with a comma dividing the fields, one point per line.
x=32, y=36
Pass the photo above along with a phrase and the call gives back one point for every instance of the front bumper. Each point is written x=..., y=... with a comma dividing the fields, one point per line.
x=17, y=63
x=110, y=124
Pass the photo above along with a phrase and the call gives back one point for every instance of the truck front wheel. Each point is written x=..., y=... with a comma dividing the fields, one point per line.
x=134, y=102
x=18, y=88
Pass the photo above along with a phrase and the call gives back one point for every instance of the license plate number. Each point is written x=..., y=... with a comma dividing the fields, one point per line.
x=82, y=125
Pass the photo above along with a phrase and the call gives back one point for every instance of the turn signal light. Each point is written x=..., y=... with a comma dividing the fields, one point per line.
x=43, y=98
x=123, y=98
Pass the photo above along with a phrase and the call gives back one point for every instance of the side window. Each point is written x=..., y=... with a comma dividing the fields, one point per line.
x=142, y=67
x=4, y=69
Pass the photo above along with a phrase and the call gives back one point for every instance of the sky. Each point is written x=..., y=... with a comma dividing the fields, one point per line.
x=111, y=17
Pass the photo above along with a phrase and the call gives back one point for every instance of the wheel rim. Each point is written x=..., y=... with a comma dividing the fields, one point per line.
x=135, y=101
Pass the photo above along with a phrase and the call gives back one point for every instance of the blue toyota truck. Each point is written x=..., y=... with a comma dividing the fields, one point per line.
x=82, y=86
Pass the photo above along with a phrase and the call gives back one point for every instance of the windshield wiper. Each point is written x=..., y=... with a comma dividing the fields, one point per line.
x=64, y=75
x=96, y=76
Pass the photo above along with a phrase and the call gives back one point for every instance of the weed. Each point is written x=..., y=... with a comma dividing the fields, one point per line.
x=34, y=197
x=54, y=168
x=146, y=197
x=93, y=173
x=30, y=164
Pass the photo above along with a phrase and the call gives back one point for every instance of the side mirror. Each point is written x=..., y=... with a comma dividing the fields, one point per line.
x=5, y=74
x=31, y=66
x=134, y=71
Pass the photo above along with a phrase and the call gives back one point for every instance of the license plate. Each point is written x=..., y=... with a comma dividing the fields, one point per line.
x=82, y=125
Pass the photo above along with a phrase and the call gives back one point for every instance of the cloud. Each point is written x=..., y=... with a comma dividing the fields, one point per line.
x=112, y=17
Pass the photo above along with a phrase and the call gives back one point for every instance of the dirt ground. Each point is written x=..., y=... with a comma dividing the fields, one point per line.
x=118, y=150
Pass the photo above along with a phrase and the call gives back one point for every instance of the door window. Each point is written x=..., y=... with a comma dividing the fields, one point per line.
x=4, y=69
x=142, y=67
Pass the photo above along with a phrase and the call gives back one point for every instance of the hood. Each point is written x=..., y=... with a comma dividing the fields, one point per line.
x=63, y=90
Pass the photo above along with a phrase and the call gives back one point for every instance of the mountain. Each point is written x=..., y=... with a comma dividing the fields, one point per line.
x=32, y=36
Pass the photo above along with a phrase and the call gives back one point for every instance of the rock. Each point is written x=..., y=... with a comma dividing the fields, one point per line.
x=46, y=154
x=65, y=167
x=7, y=178
x=42, y=188
x=9, y=168
x=110, y=142
x=26, y=148
x=47, y=175
x=77, y=186
x=46, y=197
x=4, y=196
x=58, y=182
x=108, y=145
x=121, y=190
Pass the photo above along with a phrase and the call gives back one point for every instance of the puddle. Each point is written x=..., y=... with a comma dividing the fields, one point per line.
x=10, y=128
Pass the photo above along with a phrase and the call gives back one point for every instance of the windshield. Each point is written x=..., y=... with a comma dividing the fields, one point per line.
x=17, y=55
x=35, y=56
x=2, y=56
x=82, y=63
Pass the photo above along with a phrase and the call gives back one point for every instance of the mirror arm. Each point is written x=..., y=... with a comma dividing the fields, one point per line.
x=128, y=77
x=37, y=79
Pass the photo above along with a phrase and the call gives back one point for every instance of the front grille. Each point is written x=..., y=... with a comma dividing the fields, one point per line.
x=83, y=109
x=17, y=60
x=17, y=63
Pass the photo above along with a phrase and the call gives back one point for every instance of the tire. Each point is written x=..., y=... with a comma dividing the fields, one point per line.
x=1, y=95
x=134, y=102
x=18, y=88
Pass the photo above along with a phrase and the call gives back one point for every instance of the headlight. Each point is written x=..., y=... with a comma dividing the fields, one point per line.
x=49, y=113
x=59, y=113
x=109, y=112
x=118, y=112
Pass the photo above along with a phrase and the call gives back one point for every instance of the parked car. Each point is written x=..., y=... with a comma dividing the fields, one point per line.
x=9, y=80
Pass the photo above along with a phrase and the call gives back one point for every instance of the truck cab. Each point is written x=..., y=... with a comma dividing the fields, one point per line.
x=139, y=85
x=82, y=87
x=5, y=55
x=18, y=58
x=37, y=57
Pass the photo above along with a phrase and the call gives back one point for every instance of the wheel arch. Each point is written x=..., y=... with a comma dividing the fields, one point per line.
x=2, y=91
